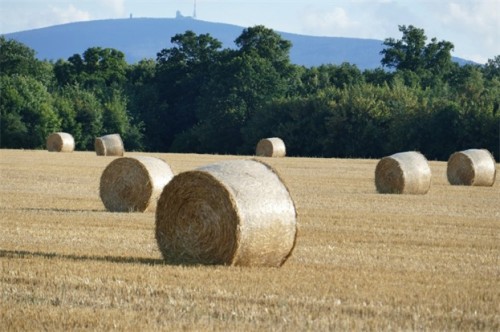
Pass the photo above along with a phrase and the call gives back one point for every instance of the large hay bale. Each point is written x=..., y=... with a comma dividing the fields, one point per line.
x=271, y=147
x=403, y=173
x=235, y=212
x=109, y=145
x=473, y=167
x=132, y=184
x=60, y=142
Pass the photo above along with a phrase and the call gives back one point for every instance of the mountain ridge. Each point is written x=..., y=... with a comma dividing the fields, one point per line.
x=143, y=38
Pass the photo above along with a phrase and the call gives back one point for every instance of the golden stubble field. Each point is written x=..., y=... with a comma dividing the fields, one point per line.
x=362, y=261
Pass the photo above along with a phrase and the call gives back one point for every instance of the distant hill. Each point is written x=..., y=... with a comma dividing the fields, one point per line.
x=141, y=38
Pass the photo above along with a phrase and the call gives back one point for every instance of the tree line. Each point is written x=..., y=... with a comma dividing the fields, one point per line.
x=197, y=96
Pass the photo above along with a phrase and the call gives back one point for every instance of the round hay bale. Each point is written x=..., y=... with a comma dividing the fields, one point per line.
x=109, y=145
x=403, y=173
x=133, y=184
x=473, y=167
x=60, y=142
x=271, y=147
x=235, y=212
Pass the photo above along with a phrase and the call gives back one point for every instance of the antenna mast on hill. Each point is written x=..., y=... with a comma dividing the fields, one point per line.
x=194, y=10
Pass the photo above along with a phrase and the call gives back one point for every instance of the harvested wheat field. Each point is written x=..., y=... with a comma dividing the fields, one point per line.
x=362, y=260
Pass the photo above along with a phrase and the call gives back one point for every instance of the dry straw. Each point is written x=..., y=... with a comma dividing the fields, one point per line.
x=271, y=147
x=109, y=145
x=131, y=184
x=236, y=212
x=60, y=142
x=403, y=173
x=473, y=167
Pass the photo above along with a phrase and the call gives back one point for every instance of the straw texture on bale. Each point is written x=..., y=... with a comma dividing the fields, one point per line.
x=473, y=167
x=403, y=173
x=133, y=184
x=271, y=147
x=236, y=212
x=109, y=145
x=60, y=142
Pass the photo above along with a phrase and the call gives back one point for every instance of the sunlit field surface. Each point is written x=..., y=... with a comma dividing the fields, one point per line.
x=362, y=261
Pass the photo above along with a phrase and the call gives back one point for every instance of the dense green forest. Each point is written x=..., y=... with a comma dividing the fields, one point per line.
x=199, y=97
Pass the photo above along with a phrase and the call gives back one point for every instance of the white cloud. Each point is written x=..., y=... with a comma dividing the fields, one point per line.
x=478, y=23
x=480, y=14
x=23, y=15
x=473, y=26
x=377, y=19
x=117, y=6
x=333, y=21
x=68, y=14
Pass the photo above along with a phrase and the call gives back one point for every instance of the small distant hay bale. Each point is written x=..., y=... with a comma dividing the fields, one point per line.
x=60, y=142
x=403, y=173
x=133, y=184
x=235, y=212
x=109, y=145
x=271, y=147
x=473, y=167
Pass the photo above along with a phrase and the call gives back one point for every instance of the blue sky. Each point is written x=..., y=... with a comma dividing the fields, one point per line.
x=473, y=26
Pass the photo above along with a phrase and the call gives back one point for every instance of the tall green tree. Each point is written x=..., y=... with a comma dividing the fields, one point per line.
x=95, y=85
x=267, y=44
x=97, y=68
x=82, y=113
x=240, y=84
x=407, y=52
x=181, y=73
x=411, y=53
x=18, y=59
x=117, y=119
x=492, y=68
x=142, y=99
x=26, y=112
x=235, y=91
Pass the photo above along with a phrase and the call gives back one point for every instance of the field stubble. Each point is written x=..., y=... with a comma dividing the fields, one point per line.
x=362, y=261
